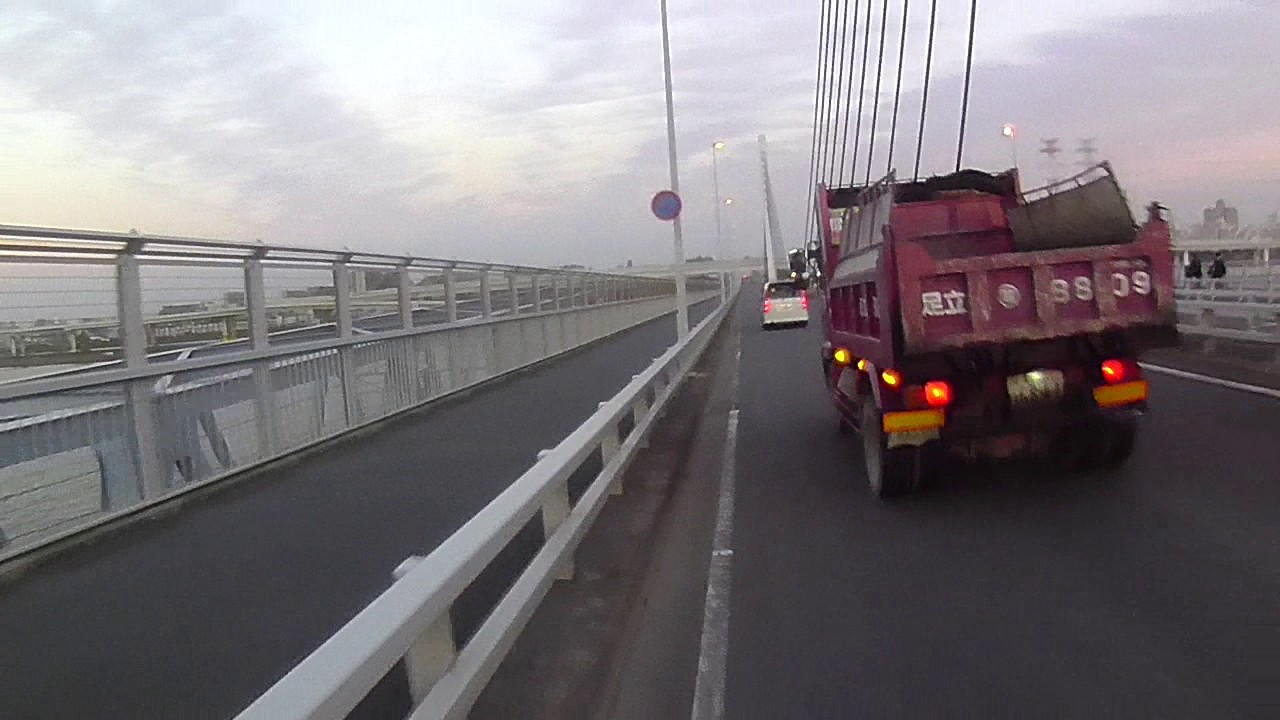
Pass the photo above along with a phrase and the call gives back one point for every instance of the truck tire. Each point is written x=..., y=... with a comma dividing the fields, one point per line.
x=891, y=472
x=1098, y=446
x=1116, y=442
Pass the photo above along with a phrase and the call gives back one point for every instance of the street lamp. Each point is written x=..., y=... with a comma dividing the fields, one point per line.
x=682, y=312
x=716, y=147
x=1011, y=131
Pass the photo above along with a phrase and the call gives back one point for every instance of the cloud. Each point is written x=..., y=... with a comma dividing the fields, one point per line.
x=537, y=134
x=207, y=96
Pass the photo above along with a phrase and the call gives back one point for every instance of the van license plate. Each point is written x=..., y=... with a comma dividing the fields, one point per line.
x=1035, y=387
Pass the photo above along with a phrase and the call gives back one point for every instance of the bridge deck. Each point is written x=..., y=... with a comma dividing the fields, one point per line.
x=195, y=614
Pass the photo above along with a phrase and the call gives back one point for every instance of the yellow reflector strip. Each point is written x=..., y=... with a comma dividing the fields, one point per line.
x=1122, y=394
x=912, y=421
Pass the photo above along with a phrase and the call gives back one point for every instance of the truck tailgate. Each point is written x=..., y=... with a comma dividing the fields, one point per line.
x=1015, y=296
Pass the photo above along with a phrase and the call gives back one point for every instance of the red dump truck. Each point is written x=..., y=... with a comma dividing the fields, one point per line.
x=965, y=317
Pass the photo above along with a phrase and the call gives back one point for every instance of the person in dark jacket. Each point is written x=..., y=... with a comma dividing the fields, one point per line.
x=1193, y=270
x=1218, y=269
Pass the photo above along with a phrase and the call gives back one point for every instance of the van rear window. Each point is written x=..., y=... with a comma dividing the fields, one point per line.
x=782, y=290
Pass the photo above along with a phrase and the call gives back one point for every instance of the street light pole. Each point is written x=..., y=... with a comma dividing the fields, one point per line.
x=715, y=180
x=682, y=311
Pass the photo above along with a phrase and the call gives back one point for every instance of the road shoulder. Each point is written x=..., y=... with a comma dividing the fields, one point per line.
x=622, y=639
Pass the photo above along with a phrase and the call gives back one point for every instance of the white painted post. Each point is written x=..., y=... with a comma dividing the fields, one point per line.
x=139, y=394
x=450, y=297
x=555, y=510
x=407, y=355
x=346, y=355
x=486, y=294
x=264, y=405
x=404, y=296
x=1207, y=321
x=513, y=289
x=536, y=284
x=638, y=413
x=608, y=451
x=433, y=653
x=556, y=287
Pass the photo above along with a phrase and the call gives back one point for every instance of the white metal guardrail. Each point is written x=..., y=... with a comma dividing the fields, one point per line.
x=411, y=619
x=80, y=448
x=1242, y=321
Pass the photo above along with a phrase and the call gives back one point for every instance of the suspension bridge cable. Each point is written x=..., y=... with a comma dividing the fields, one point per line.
x=848, y=101
x=824, y=147
x=897, y=91
x=862, y=88
x=924, y=98
x=875, y=107
x=968, y=72
x=817, y=97
x=835, y=129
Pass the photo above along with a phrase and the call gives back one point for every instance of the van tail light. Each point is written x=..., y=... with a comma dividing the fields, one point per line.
x=768, y=306
x=804, y=300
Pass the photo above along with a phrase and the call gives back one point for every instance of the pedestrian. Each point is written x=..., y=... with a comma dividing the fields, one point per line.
x=1218, y=269
x=1193, y=270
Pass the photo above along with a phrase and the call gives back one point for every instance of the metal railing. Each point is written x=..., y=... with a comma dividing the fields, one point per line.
x=83, y=446
x=1250, y=322
x=411, y=620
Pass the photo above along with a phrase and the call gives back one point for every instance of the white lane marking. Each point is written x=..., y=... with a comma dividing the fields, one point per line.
x=1255, y=389
x=708, y=690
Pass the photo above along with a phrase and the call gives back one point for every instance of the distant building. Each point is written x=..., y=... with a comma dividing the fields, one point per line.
x=1221, y=220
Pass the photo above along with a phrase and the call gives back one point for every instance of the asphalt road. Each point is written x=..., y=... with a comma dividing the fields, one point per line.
x=195, y=614
x=1010, y=591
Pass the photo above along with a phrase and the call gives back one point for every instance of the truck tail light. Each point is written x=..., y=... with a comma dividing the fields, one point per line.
x=768, y=306
x=892, y=378
x=1116, y=371
x=937, y=393
x=842, y=356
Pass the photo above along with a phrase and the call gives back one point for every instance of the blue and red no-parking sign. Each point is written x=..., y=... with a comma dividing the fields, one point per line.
x=666, y=205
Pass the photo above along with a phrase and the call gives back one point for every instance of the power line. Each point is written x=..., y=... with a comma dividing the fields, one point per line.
x=924, y=99
x=1051, y=150
x=897, y=90
x=1087, y=152
x=968, y=74
x=875, y=107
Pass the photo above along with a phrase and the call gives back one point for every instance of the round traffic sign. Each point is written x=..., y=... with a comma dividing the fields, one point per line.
x=666, y=205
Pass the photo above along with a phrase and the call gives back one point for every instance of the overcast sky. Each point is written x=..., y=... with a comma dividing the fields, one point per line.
x=534, y=130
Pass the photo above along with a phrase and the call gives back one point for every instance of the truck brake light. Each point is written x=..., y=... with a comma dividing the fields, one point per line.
x=1116, y=371
x=937, y=393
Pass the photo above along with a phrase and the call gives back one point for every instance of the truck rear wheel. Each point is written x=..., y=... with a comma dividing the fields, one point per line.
x=1099, y=446
x=891, y=472
x=1115, y=442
